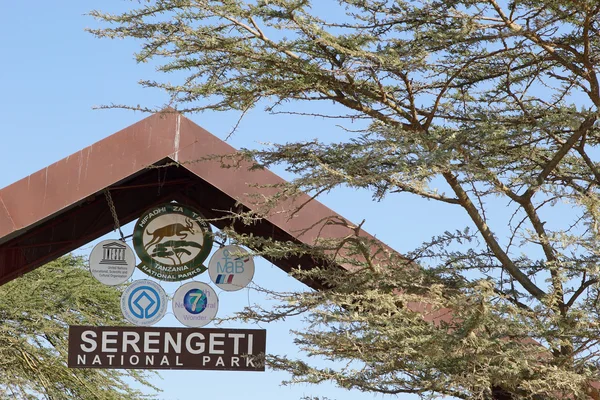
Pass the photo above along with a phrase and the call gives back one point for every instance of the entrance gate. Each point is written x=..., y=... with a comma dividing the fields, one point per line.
x=62, y=207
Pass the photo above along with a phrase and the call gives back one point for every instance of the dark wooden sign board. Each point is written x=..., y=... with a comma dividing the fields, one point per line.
x=167, y=348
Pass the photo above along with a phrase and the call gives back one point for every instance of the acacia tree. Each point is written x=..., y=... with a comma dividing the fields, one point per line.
x=478, y=104
x=36, y=311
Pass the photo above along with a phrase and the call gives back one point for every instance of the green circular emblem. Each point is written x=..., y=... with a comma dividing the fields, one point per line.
x=172, y=241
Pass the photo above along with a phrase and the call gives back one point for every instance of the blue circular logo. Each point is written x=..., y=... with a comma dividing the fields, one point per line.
x=195, y=301
x=144, y=302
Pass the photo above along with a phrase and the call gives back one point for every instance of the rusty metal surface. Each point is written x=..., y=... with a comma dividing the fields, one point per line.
x=63, y=184
x=62, y=207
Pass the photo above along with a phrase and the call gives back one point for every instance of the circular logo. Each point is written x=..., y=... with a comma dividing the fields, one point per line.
x=172, y=241
x=195, y=301
x=112, y=262
x=195, y=304
x=231, y=268
x=144, y=303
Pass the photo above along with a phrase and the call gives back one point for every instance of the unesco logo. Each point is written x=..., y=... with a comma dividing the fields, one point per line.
x=144, y=303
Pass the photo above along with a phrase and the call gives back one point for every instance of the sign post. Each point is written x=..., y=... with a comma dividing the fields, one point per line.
x=167, y=348
x=112, y=262
x=172, y=240
x=231, y=268
x=144, y=302
x=195, y=304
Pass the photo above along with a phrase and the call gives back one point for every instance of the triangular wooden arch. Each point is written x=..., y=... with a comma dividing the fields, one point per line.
x=62, y=207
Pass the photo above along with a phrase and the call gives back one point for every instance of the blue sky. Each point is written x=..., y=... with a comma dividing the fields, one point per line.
x=53, y=73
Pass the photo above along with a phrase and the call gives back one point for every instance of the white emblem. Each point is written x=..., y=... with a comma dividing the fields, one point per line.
x=144, y=303
x=195, y=304
x=231, y=268
x=112, y=262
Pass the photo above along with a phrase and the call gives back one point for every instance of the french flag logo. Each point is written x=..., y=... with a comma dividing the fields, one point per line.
x=224, y=278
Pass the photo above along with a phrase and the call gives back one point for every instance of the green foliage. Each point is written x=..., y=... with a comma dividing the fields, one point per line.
x=36, y=311
x=490, y=107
